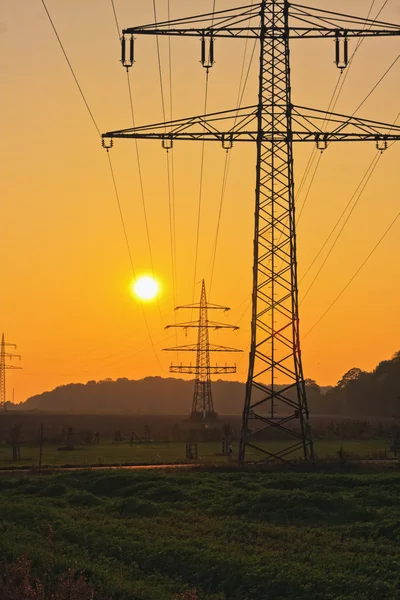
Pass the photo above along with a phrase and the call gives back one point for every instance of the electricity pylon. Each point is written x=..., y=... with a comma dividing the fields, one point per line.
x=273, y=124
x=202, y=406
x=4, y=356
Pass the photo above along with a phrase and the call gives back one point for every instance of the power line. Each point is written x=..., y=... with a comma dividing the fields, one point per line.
x=147, y=228
x=171, y=194
x=201, y=175
x=70, y=67
x=200, y=195
x=159, y=63
x=354, y=275
x=331, y=107
x=359, y=190
x=130, y=258
x=115, y=17
x=214, y=251
x=170, y=176
x=309, y=188
x=121, y=215
x=366, y=176
x=314, y=150
x=334, y=100
x=359, y=42
x=109, y=161
x=228, y=155
x=365, y=179
x=376, y=85
x=140, y=177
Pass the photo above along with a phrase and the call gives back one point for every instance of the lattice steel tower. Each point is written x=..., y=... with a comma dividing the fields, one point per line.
x=202, y=406
x=273, y=124
x=4, y=356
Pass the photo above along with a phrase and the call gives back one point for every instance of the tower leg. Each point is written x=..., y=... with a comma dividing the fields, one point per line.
x=275, y=358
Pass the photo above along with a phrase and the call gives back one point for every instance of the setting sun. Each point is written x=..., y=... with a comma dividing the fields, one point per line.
x=145, y=288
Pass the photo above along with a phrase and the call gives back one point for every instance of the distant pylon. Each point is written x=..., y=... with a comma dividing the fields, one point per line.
x=3, y=366
x=203, y=406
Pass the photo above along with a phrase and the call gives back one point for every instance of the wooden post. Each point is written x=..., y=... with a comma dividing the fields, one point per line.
x=41, y=447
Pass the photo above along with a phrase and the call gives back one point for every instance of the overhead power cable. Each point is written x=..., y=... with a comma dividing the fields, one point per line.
x=199, y=205
x=356, y=195
x=200, y=197
x=170, y=164
x=121, y=215
x=241, y=91
x=309, y=187
x=171, y=192
x=116, y=18
x=334, y=100
x=159, y=63
x=171, y=177
x=366, y=177
x=139, y=165
x=376, y=85
x=109, y=162
x=70, y=67
x=354, y=275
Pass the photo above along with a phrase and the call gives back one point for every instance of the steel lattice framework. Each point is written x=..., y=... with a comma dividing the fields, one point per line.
x=202, y=406
x=4, y=355
x=273, y=124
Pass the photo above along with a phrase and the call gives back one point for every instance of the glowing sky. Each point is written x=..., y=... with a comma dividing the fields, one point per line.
x=66, y=274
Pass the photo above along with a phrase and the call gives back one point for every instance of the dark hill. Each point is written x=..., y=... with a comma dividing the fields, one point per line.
x=146, y=396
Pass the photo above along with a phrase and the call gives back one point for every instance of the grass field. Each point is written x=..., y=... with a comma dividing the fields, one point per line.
x=232, y=535
x=123, y=453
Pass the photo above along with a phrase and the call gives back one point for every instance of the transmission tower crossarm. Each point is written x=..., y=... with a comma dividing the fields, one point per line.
x=209, y=307
x=324, y=23
x=305, y=22
x=197, y=325
x=194, y=348
x=192, y=369
x=233, y=22
x=226, y=32
x=309, y=125
x=238, y=123
x=325, y=32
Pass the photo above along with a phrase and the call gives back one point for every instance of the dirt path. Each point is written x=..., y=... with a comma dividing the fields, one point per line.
x=51, y=471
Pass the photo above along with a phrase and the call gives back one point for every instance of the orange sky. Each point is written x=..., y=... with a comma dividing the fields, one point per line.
x=65, y=274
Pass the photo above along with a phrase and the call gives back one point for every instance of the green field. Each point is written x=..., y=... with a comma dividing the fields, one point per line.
x=123, y=453
x=237, y=535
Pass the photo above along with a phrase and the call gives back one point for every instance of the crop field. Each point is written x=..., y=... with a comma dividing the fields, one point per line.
x=173, y=452
x=228, y=534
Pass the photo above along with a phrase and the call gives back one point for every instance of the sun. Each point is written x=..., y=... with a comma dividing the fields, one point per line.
x=145, y=288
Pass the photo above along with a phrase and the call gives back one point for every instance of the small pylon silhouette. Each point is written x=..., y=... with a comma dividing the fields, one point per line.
x=202, y=406
x=3, y=367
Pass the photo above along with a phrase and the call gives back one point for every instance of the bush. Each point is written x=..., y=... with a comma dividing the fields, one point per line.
x=17, y=582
